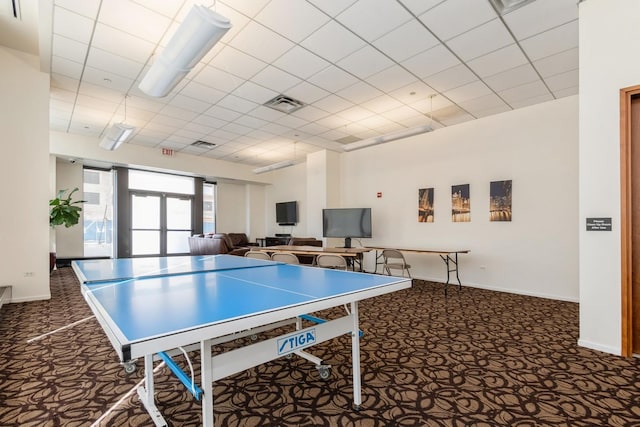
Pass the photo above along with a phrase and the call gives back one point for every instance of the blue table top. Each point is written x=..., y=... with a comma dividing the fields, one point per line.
x=107, y=270
x=155, y=306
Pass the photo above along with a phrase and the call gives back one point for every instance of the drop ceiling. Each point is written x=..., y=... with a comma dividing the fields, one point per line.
x=362, y=69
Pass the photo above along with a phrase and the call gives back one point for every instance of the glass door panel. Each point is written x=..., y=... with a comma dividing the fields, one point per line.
x=145, y=224
x=178, y=224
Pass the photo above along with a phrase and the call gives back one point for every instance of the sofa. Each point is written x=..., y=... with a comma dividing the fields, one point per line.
x=219, y=243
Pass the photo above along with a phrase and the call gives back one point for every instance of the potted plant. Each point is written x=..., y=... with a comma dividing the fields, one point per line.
x=64, y=211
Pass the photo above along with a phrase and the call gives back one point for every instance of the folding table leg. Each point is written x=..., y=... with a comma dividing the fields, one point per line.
x=146, y=393
x=355, y=357
x=207, y=383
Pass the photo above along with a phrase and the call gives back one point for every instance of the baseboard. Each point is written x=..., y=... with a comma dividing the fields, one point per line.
x=32, y=298
x=453, y=283
x=5, y=295
x=604, y=348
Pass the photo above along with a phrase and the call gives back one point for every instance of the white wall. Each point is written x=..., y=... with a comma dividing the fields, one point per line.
x=609, y=36
x=232, y=208
x=535, y=147
x=292, y=186
x=25, y=173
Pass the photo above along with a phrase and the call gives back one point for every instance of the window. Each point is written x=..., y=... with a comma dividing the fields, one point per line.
x=208, y=207
x=98, y=213
x=91, y=198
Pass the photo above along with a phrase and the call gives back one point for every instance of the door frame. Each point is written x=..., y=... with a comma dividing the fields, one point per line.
x=626, y=226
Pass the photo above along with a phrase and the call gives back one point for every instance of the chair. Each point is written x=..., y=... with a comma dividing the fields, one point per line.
x=394, y=260
x=285, y=257
x=336, y=262
x=257, y=255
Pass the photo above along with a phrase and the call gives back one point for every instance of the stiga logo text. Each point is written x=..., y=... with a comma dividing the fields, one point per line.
x=296, y=341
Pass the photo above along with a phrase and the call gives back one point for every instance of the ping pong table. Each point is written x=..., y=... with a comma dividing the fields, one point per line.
x=152, y=308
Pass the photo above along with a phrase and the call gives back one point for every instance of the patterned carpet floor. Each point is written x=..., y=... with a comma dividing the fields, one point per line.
x=474, y=358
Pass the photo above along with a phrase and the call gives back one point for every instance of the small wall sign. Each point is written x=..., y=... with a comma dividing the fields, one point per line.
x=598, y=224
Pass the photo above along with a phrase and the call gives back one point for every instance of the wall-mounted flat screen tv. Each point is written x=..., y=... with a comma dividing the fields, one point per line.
x=347, y=223
x=287, y=213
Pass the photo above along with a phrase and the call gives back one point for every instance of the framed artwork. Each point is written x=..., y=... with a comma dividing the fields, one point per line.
x=460, y=203
x=425, y=205
x=500, y=200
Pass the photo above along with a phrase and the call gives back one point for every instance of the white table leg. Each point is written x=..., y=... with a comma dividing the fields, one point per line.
x=355, y=356
x=207, y=383
x=146, y=393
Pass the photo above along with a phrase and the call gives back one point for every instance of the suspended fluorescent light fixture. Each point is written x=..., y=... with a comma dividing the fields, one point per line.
x=201, y=29
x=279, y=165
x=116, y=135
x=393, y=136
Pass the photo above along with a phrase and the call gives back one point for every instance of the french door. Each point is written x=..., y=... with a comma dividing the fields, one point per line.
x=160, y=223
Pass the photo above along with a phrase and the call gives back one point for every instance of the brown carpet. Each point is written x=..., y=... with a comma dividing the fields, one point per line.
x=475, y=358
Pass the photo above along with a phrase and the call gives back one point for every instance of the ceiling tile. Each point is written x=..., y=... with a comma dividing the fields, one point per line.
x=310, y=113
x=562, y=81
x=532, y=101
x=333, y=79
x=418, y=7
x=540, y=16
x=432, y=61
x=481, y=40
x=112, y=40
x=237, y=104
x=307, y=18
x=307, y=93
x=332, y=7
x=72, y=25
x=395, y=45
x=355, y=113
x=155, y=24
x=453, y=17
x=66, y=67
x=237, y=63
x=260, y=42
x=520, y=93
x=189, y=104
x=359, y=93
x=402, y=113
x=88, y=8
x=412, y=92
x=266, y=113
x=256, y=93
x=370, y=22
x=203, y=93
x=391, y=79
x=550, y=42
x=511, y=78
x=499, y=60
x=467, y=92
x=365, y=62
x=275, y=79
x=333, y=42
x=250, y=122
x=381, y=104
x=570, y=91
x=333, y=104
x=102, y=59
x=301, y=63
x=248, y=8
x=451, y=78
x=558, y=63
x=486, y=102
x=69, y=49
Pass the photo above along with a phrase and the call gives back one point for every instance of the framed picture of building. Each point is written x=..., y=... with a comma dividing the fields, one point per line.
x=460, y=203
x=500, y=200
x=425, y=205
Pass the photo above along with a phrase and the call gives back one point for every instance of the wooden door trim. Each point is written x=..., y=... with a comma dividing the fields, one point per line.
x=625, y=219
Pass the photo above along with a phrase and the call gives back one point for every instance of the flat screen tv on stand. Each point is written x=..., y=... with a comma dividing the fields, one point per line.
x=346, y=223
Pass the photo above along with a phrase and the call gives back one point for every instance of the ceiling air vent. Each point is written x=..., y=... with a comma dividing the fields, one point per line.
x=284, y=103
x=348, y=139
x=505, y=6
x=203, y=144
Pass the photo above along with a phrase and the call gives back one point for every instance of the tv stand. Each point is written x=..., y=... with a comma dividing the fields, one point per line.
x=276, y=241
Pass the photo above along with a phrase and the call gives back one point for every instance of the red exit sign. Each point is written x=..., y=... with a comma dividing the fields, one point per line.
x=167, y=152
